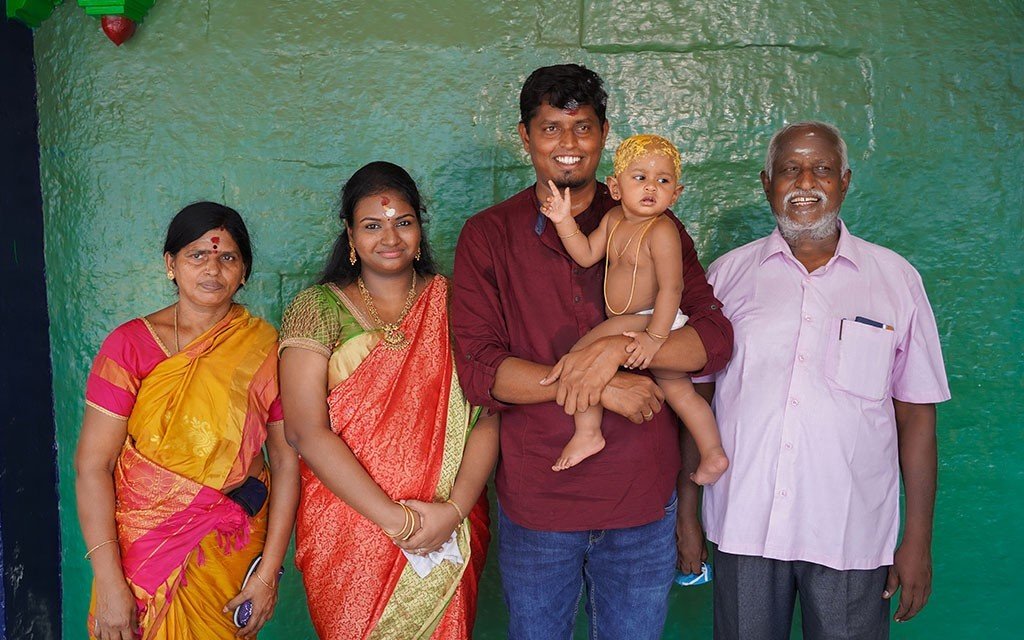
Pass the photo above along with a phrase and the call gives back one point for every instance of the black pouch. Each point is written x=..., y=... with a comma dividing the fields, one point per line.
x=251, y=496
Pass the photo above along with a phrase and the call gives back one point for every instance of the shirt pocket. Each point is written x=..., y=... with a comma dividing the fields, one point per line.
x=860, y=359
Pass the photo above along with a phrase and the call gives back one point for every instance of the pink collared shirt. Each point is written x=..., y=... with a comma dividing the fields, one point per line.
x=805, y=405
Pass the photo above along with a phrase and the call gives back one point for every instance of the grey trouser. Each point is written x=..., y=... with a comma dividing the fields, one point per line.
x=754, y=599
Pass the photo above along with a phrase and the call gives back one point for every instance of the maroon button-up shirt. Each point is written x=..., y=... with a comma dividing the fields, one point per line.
x=517, y=292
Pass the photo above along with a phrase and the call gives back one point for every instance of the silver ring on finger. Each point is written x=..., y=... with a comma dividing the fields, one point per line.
x=648, y=416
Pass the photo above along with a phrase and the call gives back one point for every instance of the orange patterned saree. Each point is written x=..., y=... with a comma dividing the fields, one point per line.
x=198, y=421
x=404, y=416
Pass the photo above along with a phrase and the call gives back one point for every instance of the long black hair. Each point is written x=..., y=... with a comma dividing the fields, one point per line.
x=370, y=180
x=196, y=219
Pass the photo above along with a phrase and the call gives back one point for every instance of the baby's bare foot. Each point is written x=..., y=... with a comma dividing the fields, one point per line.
x=712, y=465
x=581, y=447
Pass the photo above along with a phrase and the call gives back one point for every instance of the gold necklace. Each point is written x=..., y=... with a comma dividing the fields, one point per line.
x=621, y=252
x=393, y=338
x=636, y=263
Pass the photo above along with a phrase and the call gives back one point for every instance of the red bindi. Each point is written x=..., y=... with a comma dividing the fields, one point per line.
x=384, y=201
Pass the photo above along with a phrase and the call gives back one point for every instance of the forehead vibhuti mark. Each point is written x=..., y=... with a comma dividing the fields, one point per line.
x=389, y=212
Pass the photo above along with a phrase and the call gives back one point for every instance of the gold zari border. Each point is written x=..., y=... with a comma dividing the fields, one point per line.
x=417, y=604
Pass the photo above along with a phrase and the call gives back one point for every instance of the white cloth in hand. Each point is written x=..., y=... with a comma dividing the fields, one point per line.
x=423, y=565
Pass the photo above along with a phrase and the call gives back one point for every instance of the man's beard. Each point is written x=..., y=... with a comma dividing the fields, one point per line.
x=822, y=228
x=570, y=181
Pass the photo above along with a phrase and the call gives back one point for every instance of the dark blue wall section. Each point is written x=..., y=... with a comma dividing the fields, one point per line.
x=30, y=601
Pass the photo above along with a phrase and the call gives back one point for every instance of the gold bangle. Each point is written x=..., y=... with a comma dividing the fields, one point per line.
x=408, y=526
x=260, y=578
x=102, y=544
x=571, y=234
x=457, y=509
x=655, y=335
x=405, y=525
x=399, y=532
x=412, y=524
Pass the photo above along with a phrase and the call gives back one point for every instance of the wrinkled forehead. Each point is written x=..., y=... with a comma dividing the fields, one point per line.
x=636, y=147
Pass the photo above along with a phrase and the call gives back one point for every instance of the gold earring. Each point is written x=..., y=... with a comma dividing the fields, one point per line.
x=170, y=275
x=243, y=282
x=352, y=258
x=419, y=254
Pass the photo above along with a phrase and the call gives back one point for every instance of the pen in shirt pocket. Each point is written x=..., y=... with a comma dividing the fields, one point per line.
x=873, y=323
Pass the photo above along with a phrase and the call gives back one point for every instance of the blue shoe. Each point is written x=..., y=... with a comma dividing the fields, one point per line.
x=694, y=579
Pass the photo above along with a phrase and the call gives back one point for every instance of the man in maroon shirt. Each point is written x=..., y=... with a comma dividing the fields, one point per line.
x=519, y=304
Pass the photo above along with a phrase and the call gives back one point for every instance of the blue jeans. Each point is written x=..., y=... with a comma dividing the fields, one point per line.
x=627, y=574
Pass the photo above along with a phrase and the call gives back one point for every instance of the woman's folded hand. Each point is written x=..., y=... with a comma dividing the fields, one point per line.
x=437, y=522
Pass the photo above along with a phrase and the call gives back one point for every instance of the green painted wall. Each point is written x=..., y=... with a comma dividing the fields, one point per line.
x=268, y=106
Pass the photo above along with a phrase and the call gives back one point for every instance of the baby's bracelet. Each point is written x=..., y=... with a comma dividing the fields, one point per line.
x=655, y=335
x=569, y=235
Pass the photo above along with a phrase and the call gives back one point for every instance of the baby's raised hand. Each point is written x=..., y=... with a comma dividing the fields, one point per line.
x=558, y=206
x=641, y=350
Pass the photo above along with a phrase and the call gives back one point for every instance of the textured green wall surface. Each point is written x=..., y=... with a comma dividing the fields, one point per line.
x=269, y=106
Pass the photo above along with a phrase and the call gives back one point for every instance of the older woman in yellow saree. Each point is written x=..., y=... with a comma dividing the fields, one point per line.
x=373, y=405
x=171, y=481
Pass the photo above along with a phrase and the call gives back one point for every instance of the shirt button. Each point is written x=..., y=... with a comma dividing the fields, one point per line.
x=469, y=357
x=794, y=401
x=801, y=357
x=576, y=299
x=783, y=493
x=789, y=446
x=807, y=317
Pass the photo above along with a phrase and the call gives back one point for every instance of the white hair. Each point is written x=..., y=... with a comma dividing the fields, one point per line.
x=773, y=145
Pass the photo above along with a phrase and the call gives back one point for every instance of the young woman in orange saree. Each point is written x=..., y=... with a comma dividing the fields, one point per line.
x=168, y=434
x=375, y=409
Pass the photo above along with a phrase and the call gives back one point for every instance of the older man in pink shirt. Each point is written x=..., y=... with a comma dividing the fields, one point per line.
x=829, y=396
